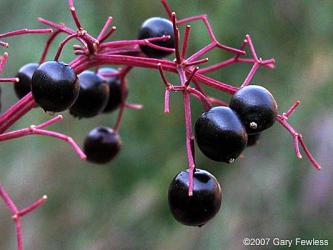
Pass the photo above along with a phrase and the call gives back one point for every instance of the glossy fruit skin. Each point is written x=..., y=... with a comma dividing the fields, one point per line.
x=93, y=95
x=55, y=86
x=220, y=134
x=157, y=27
x=253, y=139
x=256, y=106
x=23, y=87
x=102, y=145
x=115, y=94
x=198, y=209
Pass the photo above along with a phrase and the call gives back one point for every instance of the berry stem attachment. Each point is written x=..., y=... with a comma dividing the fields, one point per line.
x=62, y=44
x=188, y=128
x=48, y=44
x=251, y=74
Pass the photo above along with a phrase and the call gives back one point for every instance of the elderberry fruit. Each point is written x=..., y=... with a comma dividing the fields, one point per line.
x=198, y=209
x=157, y=27
x=220, y=134
x=55, y=86
x=102, y=145
x=93, y=95
x=115, y=94
x=253, y=139
x=256, y=107
x=24, y=75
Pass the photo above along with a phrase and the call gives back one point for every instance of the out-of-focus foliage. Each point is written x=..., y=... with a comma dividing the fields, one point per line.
x=268, y=193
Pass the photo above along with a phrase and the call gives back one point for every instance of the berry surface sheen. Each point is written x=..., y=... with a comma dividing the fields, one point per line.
x=93, y=95
x=102, y=145
x=157, y=27
x=115, y=93
x=220, y=135
x=23, y=87
x=255, y=106
x=198, y=209
x=55, y=86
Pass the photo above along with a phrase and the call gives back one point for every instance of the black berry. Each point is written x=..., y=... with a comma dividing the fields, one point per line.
x=93, y=95
x=55, y=86
x=220, y=135
x=25, y=73
x=102, y=145
x=253, y=139
x=256, y=107
x=115, y=94
x=198, y=209
x=157, y=27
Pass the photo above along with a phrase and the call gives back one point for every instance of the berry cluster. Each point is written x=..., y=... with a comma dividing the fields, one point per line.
x=88, y=87
x=56, y=87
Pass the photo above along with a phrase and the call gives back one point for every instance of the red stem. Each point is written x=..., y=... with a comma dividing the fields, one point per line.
x=62, y=44
x=185, y=40
x=188, y=128
x=16, y=111
x=10, y=79
x=3, y=61
x=25, y=31
x=48, y=44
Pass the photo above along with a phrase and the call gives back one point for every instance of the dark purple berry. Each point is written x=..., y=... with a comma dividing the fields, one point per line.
x=253, y=139
x=220, y=135
x=157, y=27
x=115, y=94
x=25, y=73
x=102, y=145
x=198, y=209
x=256, y=107
x=55, y=86
x=93, y=95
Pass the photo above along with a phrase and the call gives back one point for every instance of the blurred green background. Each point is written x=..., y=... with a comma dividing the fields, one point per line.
x=268, y=193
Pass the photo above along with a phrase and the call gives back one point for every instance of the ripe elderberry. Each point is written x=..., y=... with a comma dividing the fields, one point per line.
x=220, y=134
x=115, y=94
x=198, y=209
x=24, y=74
x=55, y=86
x=93, y=95
x=102, y=145
x=255, y=106
x=157, y=27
